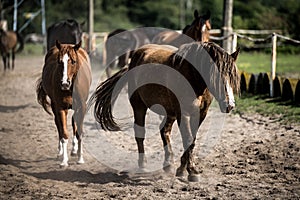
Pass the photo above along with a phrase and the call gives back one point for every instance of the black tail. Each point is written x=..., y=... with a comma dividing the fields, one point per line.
x=42, y=96
x=20, y=41
x=104, y=99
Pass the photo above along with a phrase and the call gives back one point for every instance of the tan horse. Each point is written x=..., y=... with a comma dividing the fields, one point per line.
x=197, y=31
x=66, y=80
x=8, y=44
x=181, y=83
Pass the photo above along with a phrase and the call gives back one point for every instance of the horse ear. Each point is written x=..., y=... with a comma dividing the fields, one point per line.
x=196, y=14
x=235, y=54
x=58, y=44
x=77, y=46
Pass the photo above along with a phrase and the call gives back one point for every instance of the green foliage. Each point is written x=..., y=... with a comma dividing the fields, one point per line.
x=112, y=14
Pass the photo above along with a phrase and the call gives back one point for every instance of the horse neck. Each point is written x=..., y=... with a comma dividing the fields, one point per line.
x=192, y=32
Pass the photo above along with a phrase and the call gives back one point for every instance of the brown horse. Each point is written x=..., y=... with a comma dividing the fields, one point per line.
x=66, y=80
x=197, y=31
x=8, y=43
x=181, y=82
x=119, y=46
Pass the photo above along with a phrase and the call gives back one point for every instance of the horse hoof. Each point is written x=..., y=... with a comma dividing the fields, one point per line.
x=193, y=178
x=168, y=169
x=141, y=170
x=74, y=153
x=64, y=164
x=80, y=161
x=179, y=173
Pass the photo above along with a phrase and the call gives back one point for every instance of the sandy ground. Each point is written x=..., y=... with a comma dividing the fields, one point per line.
x=241, y=157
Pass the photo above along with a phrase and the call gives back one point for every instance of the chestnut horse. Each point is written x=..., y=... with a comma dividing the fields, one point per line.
x=8, y=43
x=197, y=31
x=66, y=80
x=181, y=81
x=68, y=32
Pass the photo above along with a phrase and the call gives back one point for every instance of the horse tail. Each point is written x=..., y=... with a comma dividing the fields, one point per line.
x=21, y=42
x=104, y=98
x=42, y=96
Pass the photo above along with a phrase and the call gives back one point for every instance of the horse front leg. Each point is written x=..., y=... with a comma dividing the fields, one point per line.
x=188, y=126
x=8, y=60
x=74, y=139
x=165, y=133
x=61, y=124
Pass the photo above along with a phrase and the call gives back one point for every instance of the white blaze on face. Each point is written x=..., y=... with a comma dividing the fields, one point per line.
x=203, y=28
x=65, y=72
x=229, y=90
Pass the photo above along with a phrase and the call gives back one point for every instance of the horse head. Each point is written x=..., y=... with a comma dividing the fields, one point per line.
x=229, y=84
x=199, y=29
x=68, y=61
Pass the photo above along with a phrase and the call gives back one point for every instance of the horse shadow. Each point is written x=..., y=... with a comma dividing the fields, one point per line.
x=83, y=177
x=8, y=109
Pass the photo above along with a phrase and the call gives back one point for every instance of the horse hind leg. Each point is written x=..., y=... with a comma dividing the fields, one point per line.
x=77, y=122
x=165, y=133
x=139, y=110
x=13, y=60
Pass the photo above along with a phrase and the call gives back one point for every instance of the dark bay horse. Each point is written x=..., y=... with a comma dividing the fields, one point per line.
x=66, y=79
x=181, y=81
x=198, y=30
x=119, y=46
x=68, y=32
x=8, y=44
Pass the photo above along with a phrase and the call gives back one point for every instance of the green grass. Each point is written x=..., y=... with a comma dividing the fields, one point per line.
x=288, y=65
x=284, y=112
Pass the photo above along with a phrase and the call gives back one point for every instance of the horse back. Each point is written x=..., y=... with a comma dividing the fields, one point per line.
x=68, y=32
x=152, y=53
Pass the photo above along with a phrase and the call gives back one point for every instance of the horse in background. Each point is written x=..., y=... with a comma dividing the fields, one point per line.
x=66, y=80
x=67, y=32
x=9, y=41
x=198, y=30
x=119, y=46
x=183, y=82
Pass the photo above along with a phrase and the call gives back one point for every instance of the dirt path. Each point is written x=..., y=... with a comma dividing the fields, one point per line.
x=250, y=157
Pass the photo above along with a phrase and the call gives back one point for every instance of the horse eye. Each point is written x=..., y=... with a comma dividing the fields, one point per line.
x=73, y=62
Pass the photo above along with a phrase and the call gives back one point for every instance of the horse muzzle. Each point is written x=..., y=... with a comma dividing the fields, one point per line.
x=225, y=107
x=66, y=85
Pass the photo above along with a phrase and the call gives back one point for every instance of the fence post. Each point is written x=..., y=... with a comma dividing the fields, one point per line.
x=234, y=42
x=273, y=64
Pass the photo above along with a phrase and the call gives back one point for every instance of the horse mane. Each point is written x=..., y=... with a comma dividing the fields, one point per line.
x=195, y=54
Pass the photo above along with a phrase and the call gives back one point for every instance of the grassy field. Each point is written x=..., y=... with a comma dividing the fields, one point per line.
x=287, y=64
